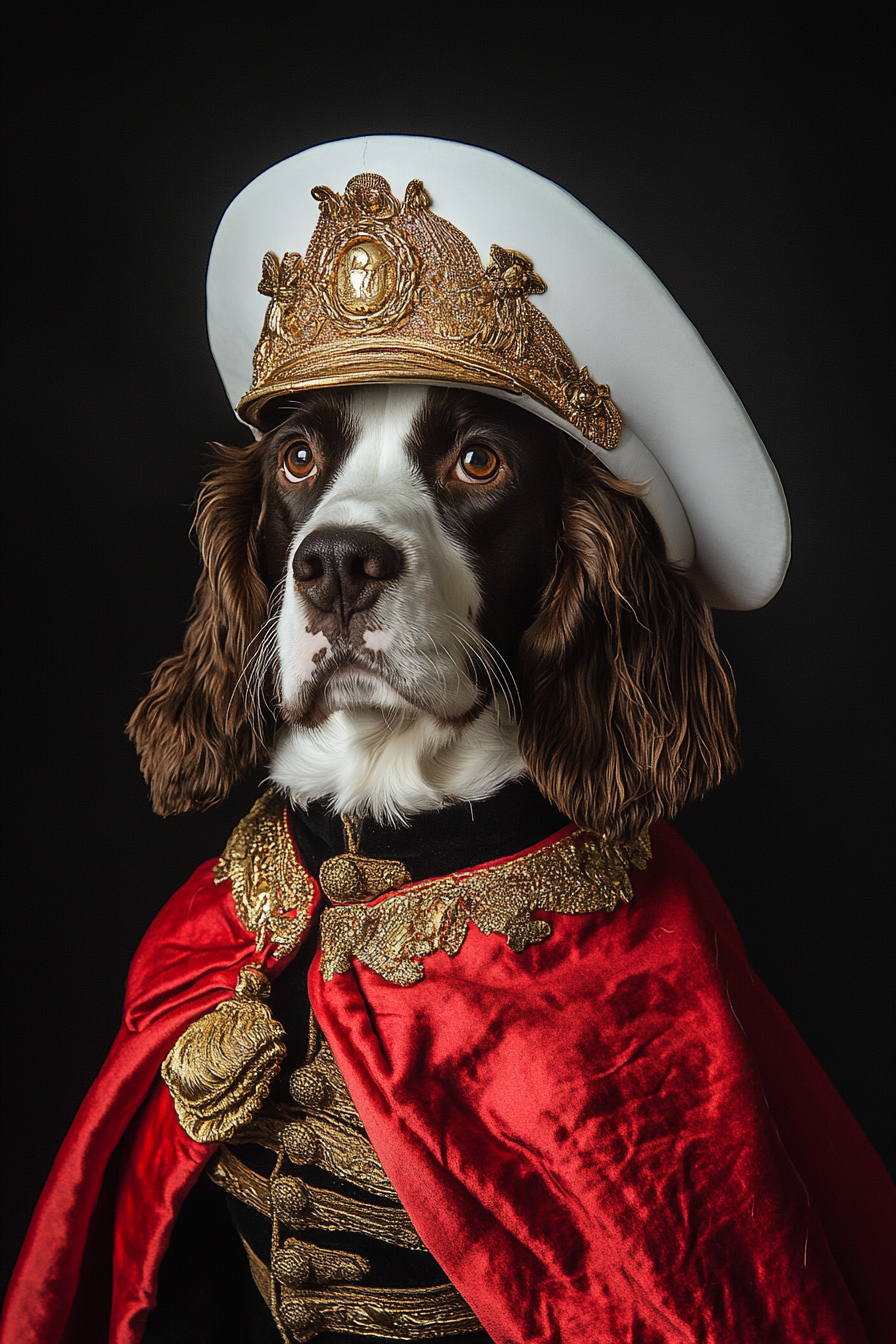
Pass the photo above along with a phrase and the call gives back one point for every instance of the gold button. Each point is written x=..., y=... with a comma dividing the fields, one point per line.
x=300, y=1143
x=302, y=1316
x=291, y=1265
x=309, y=1088
x=290, y=1199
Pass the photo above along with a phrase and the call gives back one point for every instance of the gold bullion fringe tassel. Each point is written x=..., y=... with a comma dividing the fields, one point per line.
x=352, y=877
x=221, y=1069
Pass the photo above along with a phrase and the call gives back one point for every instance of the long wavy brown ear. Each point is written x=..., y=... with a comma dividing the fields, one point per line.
x=627, y=705
x=192, y=730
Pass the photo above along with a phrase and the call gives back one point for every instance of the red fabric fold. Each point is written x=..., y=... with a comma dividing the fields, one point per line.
x=97, y=1238
x=615, y=1135
x=581, y=1135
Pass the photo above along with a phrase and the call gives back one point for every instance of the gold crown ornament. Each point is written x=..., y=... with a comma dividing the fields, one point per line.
x=388, y=290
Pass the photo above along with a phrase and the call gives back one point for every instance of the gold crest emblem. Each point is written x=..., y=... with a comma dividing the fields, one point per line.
x=364, y=277
x=371, y=279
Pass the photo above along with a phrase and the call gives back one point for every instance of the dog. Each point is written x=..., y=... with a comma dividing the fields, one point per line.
x=515, y=1013
x=413, y=594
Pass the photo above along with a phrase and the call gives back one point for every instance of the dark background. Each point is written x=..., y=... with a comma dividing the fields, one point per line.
x=738, y=153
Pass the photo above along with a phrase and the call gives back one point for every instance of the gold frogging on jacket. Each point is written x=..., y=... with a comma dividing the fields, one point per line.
x=311, y=1289
x=220, y=1070
x=388, y=290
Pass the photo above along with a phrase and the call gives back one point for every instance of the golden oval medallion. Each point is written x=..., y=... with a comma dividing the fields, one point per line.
x=364, y=276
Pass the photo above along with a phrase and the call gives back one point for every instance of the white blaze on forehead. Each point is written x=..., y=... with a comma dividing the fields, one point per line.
x=386, y=415
x=378, y=475
x=380, y=487
x=423, y=619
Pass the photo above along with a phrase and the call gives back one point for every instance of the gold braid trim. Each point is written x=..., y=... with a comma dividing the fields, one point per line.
x=573, y=876
x=397, y=1313
x=320, y=1140
x=306, y=1285
x=576, y=875
x=305, y=1206
x=266, y=877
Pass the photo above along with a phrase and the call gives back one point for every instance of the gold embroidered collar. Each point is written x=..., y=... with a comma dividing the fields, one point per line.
x=267, y=879
x=574, y=875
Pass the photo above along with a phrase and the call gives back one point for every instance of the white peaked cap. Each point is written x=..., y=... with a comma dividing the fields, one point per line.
x=712, y=487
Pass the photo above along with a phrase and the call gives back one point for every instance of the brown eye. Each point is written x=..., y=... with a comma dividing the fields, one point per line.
x=298, y=461
x=478, y=463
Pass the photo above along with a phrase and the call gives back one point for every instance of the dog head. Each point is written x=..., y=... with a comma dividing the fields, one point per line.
x=415, y=530
x=415, y=593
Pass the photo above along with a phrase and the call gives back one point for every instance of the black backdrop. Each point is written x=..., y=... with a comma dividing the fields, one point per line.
x=738, y=155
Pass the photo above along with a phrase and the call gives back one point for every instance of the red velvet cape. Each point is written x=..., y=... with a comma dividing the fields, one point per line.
x=615, y=1136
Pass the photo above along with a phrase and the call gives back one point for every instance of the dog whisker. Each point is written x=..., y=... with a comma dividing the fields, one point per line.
x=473, y=640
x=492, y=661
x=259, y=663
x=437, y=668
x=504, y=672
x=445, y=655
x=475, y=656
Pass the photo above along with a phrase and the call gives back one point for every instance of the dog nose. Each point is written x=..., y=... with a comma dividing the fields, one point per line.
x=345, y=569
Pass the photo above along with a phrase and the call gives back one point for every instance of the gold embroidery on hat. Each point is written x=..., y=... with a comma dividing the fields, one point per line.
x=389, y=290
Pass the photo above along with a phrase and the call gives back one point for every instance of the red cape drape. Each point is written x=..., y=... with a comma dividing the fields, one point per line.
x=616, y=1135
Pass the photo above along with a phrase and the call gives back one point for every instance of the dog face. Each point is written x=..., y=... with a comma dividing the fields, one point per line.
x=412, y=531
x=413, y=594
